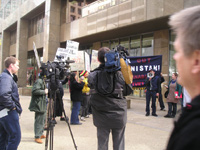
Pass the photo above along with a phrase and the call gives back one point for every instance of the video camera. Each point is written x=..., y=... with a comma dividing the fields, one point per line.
x=55, y=71
x=122, y=51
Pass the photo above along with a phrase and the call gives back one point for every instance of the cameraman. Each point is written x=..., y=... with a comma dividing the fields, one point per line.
x=109, y=112
x=153, y=87
x=39, y=106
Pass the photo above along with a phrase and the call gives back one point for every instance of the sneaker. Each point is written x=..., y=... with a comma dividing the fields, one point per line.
x=87, y=116
x=155, y=115
x=163, y=109
x=38, y=140
x=43, y=136
x=82, y=118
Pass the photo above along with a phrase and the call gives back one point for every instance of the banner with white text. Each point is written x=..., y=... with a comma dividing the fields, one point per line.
x=140, y=66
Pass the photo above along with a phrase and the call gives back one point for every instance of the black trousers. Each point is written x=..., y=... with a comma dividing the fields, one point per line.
x=172, y=108
x=162, y=106
x=149, y=95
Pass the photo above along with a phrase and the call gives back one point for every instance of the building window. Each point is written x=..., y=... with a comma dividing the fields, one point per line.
x=36, y=25
x=13, y=35
x=114, y=43
x=125, y=43
x=72, y=9
x=135, y=46
x=105, y=44
x=79, y=11
x=147, y=45
x=172, y=63
x=72, y=17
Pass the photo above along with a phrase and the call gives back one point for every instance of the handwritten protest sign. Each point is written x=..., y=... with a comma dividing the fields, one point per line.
x=94, y=61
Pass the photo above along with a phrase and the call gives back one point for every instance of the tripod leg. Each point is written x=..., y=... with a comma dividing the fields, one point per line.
x=66, y=119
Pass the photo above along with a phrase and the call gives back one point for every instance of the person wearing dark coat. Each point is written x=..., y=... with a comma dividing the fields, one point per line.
x=39, y=106
x=160, y=98
x=185, y=135
x=153, y=89
x=109, y=112
x=59, y=99
x=10, y=108
x=15, y=78
x=76, y=87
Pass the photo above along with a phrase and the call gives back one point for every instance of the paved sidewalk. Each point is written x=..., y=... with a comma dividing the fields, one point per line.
x=142, y=133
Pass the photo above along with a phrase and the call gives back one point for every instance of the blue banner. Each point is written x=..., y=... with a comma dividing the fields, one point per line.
x=140, y=66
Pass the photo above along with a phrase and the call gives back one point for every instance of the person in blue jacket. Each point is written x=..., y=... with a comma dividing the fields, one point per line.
x=153, y=87
x=10, y=108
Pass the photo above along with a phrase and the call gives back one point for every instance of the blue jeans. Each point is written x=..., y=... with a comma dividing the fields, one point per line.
x=75, y=112
x=10, y=132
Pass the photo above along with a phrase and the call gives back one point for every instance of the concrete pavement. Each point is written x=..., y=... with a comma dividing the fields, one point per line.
x=142, y=133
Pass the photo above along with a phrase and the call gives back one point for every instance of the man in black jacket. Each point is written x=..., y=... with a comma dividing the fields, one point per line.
x=10, y=108
x=153, y=87
x=185, y=135
x=109, y=111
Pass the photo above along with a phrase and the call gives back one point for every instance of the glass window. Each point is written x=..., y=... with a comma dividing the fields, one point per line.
x=13, y=37
x=147, y=45
x=105, y=44
x=125, y=42
x=135, y=46
x=72, y=17
x=72, y=9
x=172, y=63
x=79, y=11
x=113, y=43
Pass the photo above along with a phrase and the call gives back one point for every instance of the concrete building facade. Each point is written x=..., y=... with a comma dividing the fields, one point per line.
x=139, y=25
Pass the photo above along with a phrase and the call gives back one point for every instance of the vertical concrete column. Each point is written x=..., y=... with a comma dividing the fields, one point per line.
x=5, y=49
x=51, y=29
x=21, y=50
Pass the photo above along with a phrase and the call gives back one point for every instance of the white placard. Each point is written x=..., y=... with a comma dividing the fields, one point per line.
x=36, y=55
x=87, y=62
x=94, y=61
x=61, y=52
x=79, y=62
x=72, y=48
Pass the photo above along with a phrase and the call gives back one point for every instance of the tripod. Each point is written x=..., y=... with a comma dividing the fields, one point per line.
x=51, y=124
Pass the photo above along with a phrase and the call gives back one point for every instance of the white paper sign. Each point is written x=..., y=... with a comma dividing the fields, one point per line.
x=62, y=53
x=72, y=48
x=87, y=62
x=36, y=55
x=94, y=61
x=79, y=62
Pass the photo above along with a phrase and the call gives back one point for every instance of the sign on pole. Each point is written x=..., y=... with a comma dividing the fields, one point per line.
x=87, y=62
x=72, y=48
x=36, y=55
x=94, y=61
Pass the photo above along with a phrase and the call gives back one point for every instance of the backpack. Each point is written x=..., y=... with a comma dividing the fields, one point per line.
x=105, y=82
x=112, y=61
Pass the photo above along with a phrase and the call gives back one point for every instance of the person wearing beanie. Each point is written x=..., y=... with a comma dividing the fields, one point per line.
x=86, y=96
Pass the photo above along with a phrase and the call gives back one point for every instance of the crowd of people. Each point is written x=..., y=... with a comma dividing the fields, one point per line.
x=110, y=111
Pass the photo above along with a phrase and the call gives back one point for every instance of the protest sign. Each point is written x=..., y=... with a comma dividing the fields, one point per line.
x=87, y=62
x=79, y=61
x=140, y=66
x=94, y=61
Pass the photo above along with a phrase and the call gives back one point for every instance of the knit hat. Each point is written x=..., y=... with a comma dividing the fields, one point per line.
x=83, y=73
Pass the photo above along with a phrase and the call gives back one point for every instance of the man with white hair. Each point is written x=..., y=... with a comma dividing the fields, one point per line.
x=186, y=24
